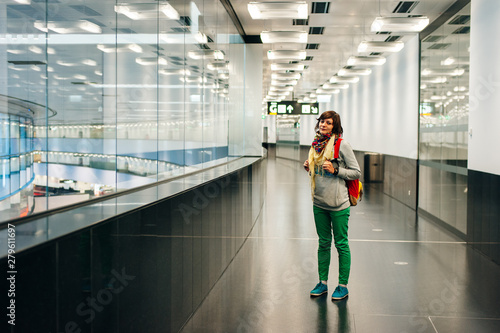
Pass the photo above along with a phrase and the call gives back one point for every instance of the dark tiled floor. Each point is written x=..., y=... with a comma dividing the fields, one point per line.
x=407, y=275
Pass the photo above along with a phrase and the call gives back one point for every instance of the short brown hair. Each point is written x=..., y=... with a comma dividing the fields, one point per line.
x=334, y=116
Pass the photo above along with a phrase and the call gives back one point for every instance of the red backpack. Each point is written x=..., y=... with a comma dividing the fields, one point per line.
x=354, y=187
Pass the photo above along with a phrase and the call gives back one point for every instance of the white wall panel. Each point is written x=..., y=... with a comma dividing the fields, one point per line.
x=380, y=112
x=484, y=98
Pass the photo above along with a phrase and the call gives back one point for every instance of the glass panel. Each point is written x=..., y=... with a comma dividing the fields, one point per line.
x=102, y=97
x=444, y=120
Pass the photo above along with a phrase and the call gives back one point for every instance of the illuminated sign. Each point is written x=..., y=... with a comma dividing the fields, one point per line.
x=292, y=107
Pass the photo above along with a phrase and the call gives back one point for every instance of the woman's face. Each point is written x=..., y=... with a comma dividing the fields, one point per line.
x=326, y=126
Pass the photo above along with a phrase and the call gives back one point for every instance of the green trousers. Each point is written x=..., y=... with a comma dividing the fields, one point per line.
x=326, y=221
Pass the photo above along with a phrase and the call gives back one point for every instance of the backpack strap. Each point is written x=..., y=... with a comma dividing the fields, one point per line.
x=336, y=148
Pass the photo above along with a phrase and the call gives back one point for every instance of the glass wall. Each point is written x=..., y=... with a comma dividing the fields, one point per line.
x=444, y=114
x=102, y=96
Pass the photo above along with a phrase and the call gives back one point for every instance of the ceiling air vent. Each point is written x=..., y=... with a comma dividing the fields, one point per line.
x=85, y=10
x=204, y=46
x=309, y=58
x=316, y=30
x=209, y=39
x=124, y=30
x=301, y=22
x=26, y=62
x=432, y=39
x=180, y=30
x=405, y=6
x=312, y=46
x=392, y=38
x=460, y=19
x=306, y=67
x=320, y=7
x=438, y=46
x=184, y=21
x=462, y=31
x=177, y=58
x=383, y=32
x=376, y=53
x=294, y=62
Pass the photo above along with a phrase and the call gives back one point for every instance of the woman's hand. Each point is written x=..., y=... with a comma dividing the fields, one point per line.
x=328, y=166
x=306, y=165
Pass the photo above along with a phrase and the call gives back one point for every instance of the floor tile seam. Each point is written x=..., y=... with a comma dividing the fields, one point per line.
x=303, y=238
x=432, y=323
x=425, y=316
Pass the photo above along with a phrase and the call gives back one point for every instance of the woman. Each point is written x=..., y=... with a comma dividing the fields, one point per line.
x=331, y=205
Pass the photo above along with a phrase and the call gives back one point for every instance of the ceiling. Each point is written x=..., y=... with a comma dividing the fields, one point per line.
x=346, y=24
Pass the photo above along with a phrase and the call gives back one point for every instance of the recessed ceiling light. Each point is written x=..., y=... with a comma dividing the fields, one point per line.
x=367, y=61
x=286, y=54
x=400, y=24
x=287, y=67
x=335, y=86
x=354, y=71
x=283, y=36
x=447, y=72
x=344, y=79
x=68, y=27
x=380, y=46
x=283, y=82
x=206, y=54
x=285, y=76
x=172, y=71
x=437, y=79
x=278, y=10
x=148, y=61
x=144, y=11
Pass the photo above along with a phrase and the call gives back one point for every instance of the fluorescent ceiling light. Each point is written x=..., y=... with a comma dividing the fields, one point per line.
x=191, y=79
x=68, y=27
x=380, y=46
x=335, y=86
x=89, y=62
x=151, y=61
x=287, y=67
x=354, y=71
x=35, y=49
x=172, y=71
x=286, y=54
x=206, y=54
x=145, y=11
x=80, y=77
x=274, y=88
x=437, y=79
x=366, y=61
x=344, y=79
x=283, y=37
x=193, y=38
x=455, y=61
x=447, y=72
x=23, y=2
x=460, y=88
x=327, y=91
x=285, y=76
x=278, y=10
x=283, y=83
x=400, y=24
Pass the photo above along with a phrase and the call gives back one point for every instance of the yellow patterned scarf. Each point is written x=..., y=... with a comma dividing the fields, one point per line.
x=317, y=159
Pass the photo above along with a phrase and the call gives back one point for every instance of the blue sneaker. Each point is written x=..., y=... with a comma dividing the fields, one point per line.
x=340, y=293
x=319, y=290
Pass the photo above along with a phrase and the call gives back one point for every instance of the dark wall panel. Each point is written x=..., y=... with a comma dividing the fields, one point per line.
x=483, y=215
x=144, y=271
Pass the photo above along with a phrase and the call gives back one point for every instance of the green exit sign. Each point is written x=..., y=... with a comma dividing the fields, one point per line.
x=292, y=107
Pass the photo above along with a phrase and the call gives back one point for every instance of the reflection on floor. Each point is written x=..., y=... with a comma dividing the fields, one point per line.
x=407, y=274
